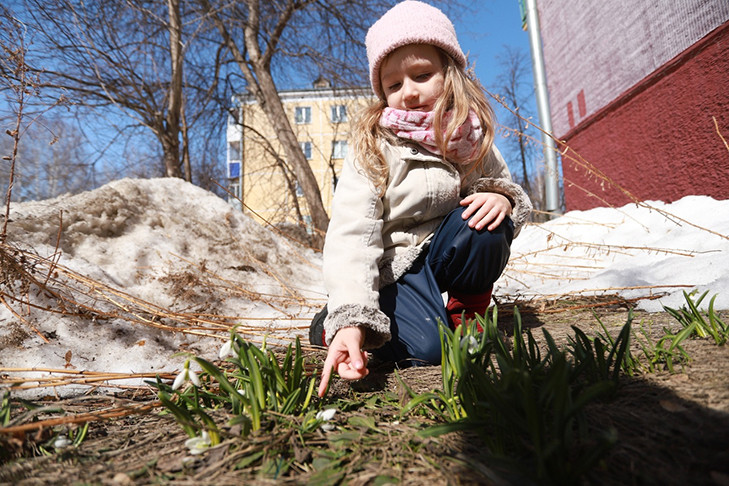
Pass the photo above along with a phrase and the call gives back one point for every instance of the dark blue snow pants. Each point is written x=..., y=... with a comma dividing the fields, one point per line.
x=458, y=259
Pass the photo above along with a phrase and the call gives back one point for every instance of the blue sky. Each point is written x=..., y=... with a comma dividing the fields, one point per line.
x=483, y=33
x=484, y=30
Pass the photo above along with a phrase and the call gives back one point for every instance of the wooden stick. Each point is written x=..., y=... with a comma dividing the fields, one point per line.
x=82, y=418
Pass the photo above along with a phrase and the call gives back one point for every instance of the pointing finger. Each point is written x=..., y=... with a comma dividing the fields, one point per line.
x=326, y=374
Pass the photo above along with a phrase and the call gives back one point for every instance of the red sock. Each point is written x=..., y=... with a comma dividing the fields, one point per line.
x=466, y=306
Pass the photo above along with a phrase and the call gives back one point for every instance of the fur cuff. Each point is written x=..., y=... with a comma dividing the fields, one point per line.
x=394, y=267
x=373, y=320
x=521, y=205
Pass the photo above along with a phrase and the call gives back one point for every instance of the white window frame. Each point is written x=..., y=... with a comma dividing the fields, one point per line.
x=302, y=115
x=339, y=114
x=234, y=150
x=339, y=149
x=306, y=148
x=234, y=188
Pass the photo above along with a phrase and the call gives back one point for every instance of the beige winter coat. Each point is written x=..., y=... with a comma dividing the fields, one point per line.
x=372, y=241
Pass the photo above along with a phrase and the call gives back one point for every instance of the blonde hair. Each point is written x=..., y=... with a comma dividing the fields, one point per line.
x=461, y=92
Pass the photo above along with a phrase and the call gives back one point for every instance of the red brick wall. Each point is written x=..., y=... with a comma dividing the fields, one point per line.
x=658, y=140
x=595, y=51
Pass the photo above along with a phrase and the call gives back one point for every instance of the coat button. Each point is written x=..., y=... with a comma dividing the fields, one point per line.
x=414, y=151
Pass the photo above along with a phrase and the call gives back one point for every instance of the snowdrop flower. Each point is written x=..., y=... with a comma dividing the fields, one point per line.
x=470, y=344
x=61, y=442
x=198, y=445
x=326, y=416
x=186, y=374
x=225, y=349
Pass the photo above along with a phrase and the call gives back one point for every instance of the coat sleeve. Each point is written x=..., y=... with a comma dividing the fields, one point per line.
x=497, y=178
x=352, y=250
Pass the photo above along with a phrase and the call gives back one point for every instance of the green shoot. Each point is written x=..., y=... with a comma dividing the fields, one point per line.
x=702, y=324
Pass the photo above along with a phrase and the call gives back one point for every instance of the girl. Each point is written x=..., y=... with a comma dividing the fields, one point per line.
x=424, y=205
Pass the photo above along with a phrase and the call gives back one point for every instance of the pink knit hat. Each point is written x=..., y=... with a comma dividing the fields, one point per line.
x=409, y=22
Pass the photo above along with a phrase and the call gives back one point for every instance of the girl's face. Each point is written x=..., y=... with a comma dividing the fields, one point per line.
x=412, y=77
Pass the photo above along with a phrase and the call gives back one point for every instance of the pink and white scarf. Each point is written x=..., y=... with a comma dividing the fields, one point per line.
x=418, y=127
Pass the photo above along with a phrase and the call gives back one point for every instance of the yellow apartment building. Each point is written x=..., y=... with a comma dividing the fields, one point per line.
x=257, y=171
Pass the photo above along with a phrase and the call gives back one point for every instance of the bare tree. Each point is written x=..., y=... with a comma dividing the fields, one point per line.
x=514, y=86
x=255, y=64
x=17, y=85
x=56, y=163
x=172, y=67
x=173, y=123
x=31, y=170
x=305, y=36
x=127, y=56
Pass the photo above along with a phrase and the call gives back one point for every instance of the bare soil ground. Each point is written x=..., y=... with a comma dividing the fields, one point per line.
x=672, y=429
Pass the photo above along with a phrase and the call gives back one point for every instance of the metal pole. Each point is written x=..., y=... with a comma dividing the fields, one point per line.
x=551, y=179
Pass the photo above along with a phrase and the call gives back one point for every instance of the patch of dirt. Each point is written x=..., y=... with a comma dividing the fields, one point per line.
x=13, y=335
x=673, y=428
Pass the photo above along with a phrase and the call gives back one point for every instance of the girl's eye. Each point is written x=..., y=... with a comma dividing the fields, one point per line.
x=423, y=77
x=394, y=87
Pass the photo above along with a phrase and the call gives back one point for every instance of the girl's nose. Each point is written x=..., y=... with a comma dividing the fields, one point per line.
x=410, y=91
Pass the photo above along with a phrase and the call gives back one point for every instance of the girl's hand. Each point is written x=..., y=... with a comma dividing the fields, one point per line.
x=345, y=353
x=487, y=208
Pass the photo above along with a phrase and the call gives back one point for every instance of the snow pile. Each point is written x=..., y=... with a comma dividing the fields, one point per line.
x=167, y=243
x=634, y=251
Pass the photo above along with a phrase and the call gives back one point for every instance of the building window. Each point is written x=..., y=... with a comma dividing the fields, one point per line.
x=339, y=114
x=234, y=150
x=233, y=169
x=302, y=115
x=339, y=149
x=235, y=189
x=306, y=148
x=234, y=159
x=234, y=198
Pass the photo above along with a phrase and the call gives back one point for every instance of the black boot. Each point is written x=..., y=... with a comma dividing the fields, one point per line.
x=316, y=329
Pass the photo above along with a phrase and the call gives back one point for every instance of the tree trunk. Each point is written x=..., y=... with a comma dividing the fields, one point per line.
x=522, y=151
x=171, y=134
x=187, y=167
x=256, y=70
x=272, y=106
